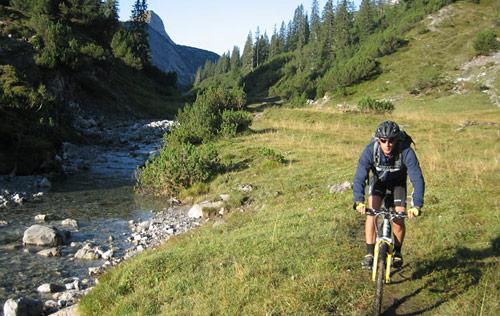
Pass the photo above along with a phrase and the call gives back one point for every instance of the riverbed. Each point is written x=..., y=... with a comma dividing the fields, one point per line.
x=98, y=193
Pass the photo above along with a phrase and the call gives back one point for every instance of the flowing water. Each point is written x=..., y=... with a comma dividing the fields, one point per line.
x=100, y=199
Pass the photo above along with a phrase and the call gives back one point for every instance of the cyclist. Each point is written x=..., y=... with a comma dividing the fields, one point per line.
x=390, y=158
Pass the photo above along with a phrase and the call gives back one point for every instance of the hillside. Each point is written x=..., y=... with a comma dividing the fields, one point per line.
x=290, y=246
x=55, y=66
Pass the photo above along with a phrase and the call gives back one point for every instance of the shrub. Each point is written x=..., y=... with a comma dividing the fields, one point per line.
x=178, y=167
x=429, y=78
x=485, y=42
x=368, y=104
x=271, y=154
x=203, y=120
x=234, y=122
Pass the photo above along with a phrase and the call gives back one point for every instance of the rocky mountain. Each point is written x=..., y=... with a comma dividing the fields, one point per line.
x=168, y=56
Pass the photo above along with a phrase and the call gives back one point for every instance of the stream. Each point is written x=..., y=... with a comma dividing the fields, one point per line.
x=98, y=193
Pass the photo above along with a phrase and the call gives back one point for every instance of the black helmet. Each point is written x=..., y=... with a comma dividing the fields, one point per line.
x=387, y=129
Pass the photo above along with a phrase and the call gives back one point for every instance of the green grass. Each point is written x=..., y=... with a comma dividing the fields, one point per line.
x=296, y=248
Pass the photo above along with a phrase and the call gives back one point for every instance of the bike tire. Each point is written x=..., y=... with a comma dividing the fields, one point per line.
x=377, y=307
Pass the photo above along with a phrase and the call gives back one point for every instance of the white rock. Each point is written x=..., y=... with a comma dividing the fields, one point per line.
x=196, y=211
x=3, y=223
x=225, y=197
x=22, y=306
x=44, y=217
x=339, y=188
x=95, y=271
x=48, y=288
x=51, y=252
x=69, y=222
x=246, y=188
x=43, y=236
x=18, y=199
x=87, y=253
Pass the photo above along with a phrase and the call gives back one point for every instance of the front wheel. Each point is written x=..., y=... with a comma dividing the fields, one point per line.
x=377, y=307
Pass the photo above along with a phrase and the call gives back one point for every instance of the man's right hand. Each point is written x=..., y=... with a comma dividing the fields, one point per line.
x=361, y=207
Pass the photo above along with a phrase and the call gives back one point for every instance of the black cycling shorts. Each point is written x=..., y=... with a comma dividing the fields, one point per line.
x=394, y=189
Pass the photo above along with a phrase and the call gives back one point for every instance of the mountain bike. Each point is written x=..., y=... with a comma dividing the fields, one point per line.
x=384, y=250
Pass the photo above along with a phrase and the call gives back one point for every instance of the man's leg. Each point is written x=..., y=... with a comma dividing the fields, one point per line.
x=398, y=225
x=374, y=201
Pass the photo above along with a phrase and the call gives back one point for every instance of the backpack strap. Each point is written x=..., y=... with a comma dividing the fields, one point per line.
x=381, y=168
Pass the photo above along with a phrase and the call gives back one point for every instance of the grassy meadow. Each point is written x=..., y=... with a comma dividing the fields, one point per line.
x=293, y=248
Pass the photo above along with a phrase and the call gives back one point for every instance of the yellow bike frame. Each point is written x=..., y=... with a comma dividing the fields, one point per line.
x=388, y=261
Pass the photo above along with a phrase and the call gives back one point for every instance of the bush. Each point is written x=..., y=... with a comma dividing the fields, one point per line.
x=178, y=167
x=368, y=104
x=203, y=120
x=429, y=78
x=234, y=122
x=485, y=42
x=271, y=154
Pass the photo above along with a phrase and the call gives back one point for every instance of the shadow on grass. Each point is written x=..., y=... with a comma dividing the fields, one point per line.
x=449, y=276
x=264, y=131
x=237, y=166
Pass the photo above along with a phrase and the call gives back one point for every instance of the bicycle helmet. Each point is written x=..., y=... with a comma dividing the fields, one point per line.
x=387, y=129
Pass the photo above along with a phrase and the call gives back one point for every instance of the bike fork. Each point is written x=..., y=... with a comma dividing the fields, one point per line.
x=389, y=255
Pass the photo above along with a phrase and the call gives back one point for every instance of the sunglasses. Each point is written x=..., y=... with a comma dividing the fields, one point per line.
x=385, y=140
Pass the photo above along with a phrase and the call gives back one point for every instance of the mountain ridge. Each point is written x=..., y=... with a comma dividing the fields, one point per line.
x=169, y=56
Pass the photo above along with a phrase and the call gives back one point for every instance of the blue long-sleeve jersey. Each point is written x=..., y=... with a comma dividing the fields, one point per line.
x=409, y=166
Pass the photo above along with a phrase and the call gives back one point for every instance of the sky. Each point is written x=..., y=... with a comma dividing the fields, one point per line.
x=218, y=25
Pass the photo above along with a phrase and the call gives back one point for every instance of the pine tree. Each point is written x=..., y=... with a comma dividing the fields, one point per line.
x=327, y=31
x=282, y=36
x=247, y=56
x=365, y=19
x=303, y=32
x=235, y=61
x=344, y=27
x=139, y=13
x=275, y=45
x=315, y=21
x=256, y=52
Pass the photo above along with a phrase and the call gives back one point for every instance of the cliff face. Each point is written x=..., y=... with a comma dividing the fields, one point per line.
x=168, y=56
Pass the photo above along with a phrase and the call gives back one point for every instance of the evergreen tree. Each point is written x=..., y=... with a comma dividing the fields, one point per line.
x=256, y=49
x=365, y=19
x=344, y=26
x=303, y=32
x=235, y=61
x=275, y=45
x=282, y=36
x=327, y=31
x=315, y=21
x=223, y=64
x=247, y=56
x=139, y=13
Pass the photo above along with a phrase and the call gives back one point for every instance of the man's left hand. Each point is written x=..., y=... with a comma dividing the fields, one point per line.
x=413, y=212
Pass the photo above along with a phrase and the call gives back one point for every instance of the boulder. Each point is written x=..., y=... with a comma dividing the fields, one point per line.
x=22, y=307
x=339, y=188
x=18, y=199
x=245, y=188
x=68, y=311
x=69, y=222
x=41, y=235
x=87, y=253
x=196, y=211
x=51, y=252
x=49, y=288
